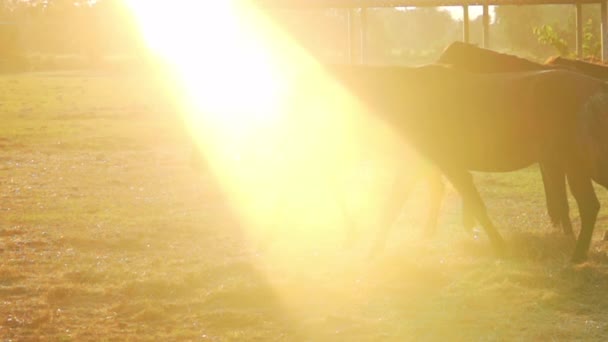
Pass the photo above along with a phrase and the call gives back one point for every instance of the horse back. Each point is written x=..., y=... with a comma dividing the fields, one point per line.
x=590, y=69
x=472, y=58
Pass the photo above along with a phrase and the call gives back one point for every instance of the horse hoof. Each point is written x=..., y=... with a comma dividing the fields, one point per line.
x=577, y=259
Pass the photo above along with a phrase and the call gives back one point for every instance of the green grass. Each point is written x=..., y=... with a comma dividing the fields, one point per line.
x=106, y=233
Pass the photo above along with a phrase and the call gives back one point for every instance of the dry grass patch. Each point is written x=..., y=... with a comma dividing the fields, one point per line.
x=106, y=233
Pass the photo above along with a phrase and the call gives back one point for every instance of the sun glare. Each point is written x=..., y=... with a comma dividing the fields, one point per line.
x=279, y=134
x=275, y=129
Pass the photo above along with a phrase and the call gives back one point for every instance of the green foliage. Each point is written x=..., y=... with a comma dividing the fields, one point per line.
x=547, y=29
x=514, y=26
x=552, y=36
x=592, y=46
x=547, y=35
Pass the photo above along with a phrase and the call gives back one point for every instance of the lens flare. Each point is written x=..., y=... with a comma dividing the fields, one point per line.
x=281, y=137
x=277, y=131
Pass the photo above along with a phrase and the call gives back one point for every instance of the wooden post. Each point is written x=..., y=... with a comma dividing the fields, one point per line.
x=579, y=30
x=351, y=36
x=486, y=26
x=465, y=24
x=604, y=9
x=363, y=36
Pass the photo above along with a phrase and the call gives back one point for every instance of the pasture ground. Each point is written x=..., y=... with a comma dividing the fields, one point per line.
x=107, y=233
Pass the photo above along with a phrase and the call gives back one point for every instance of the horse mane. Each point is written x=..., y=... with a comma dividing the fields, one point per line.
x=476, y=59
x=589, y=68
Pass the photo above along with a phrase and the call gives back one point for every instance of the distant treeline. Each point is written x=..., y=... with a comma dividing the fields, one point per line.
x=68, y=33
x=49, y=31
x=419, y=35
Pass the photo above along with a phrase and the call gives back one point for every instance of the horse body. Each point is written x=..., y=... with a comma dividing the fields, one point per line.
x=491, y=123
x=474, y=59
x=487, y=122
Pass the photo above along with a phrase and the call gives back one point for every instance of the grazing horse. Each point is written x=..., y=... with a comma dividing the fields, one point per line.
x=466, y=122
x=469, y=57
x=587, y=68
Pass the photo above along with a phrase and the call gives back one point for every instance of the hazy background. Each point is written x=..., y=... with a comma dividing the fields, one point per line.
x=60, y=34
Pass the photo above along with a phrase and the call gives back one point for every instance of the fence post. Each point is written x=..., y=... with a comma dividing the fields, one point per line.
x=579, y=30
x=351, y=35
x=465, y=24
x=604, y=9
x=486, y=26
x=363, y=36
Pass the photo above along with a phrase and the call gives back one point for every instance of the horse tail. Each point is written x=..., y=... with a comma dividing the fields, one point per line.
x=593, y=137
x=554, y=208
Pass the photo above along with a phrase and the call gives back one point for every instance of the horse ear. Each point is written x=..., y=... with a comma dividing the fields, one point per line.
x=551, y=60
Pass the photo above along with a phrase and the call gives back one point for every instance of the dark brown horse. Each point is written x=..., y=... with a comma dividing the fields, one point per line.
x=474, y=59
x=494, y=123
x=588, y=68
x=469, y=57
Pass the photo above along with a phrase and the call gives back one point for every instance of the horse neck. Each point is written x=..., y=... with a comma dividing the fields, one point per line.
x=589, y=69
x=479, y=60
x=593, y=70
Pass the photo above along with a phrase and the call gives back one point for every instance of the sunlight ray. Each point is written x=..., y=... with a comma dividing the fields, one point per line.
x=279, y=133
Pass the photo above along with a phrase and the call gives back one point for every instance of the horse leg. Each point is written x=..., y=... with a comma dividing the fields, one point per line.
x=603, y=181
x=554, y=182
x=349, y=224
x=437, y=192
x=588, y=206
x=398, y=195
x=468, y=218
x=462, y=180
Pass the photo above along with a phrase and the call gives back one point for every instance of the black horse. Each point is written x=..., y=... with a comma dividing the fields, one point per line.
x=495, y=123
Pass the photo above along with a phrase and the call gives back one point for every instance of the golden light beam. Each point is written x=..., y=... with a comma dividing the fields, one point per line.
x=273, y=126
x=278, y=133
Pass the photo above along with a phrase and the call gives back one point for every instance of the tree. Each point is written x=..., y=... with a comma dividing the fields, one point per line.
x=544, y=30
x=419, y=34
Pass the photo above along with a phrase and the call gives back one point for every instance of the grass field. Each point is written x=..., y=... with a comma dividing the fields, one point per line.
x=107, y=233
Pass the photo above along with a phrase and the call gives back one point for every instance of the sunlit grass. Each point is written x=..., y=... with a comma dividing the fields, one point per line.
x=271, y=123
x=112, y=236
x=106, y=232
